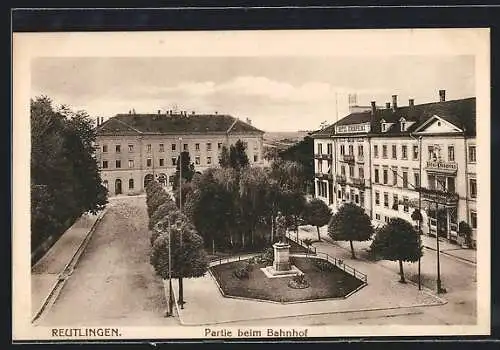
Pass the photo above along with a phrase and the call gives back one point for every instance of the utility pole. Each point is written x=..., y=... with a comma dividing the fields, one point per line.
x=181, y=301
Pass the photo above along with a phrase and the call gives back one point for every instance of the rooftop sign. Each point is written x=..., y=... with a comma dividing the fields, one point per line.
x=353, y=128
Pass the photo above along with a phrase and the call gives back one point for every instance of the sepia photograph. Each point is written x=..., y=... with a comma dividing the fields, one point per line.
x=258, y=184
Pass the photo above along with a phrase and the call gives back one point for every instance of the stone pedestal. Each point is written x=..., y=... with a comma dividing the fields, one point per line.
x=281, y=256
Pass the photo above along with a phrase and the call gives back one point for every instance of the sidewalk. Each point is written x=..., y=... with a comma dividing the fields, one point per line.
x=47, y=271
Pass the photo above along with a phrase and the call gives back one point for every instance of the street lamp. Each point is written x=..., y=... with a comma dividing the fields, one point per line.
x=181, y=301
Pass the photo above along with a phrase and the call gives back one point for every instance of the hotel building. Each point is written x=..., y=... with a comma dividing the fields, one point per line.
x=393, y=160
x=133, y=148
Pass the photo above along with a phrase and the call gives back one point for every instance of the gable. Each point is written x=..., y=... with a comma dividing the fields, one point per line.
x=437, y=125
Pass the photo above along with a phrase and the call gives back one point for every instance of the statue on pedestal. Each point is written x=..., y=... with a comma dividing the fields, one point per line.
x=281, y=227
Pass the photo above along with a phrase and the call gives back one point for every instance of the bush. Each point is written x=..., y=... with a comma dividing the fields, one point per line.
x=243, y=272
x=298, y=282
x=322, y=265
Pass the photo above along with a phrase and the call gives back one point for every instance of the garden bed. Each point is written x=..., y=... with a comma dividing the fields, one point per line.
x=330, y=282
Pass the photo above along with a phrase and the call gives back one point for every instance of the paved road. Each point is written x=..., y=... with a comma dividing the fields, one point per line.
x=114, y=283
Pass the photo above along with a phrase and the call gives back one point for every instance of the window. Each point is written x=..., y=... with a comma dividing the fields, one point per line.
x=342, y=170
x=415, y=152
x=351, y=171
x=329, y=148
x=130, y=163
x=148, y=147
x=394, y=152
x=405, y=179
x=320, y=166
x=441, y=183
x=403, y=126
x=131, y=148
x=219, y=146
x=384, y=151
x=361, y=199
x=386, y=199
x=384, y=127
x=386, y=176
x=352, y=195
x=173, y=147
x=320, y=148
x=197, y=146
x=430, y=150
x=404, y=152
x=118, y=164
x=197, y=160
x=118, y=148
x=451, y=184
x=394, y=177
x=473, y=219
x=162, y=147
x=416, y=177
x=185, y=147
x=105, y=183
x=377, y=198
x=376, y=176
x=342, y=150
x=209, y=146
x=148, y=162
x=339, y=194
x=255, y=158
x=361, y=172
x=131, y=184
x=104, y=164
x=162, y=162
x=405, y=204
x=104, y=148
x=473, y=188
x=387, y=219
x=360, y=150
x=472, y=154
x=209, y=160
x=451, y=153
x=174, y=161
x=395, y=202
x=377, y=216
x=351, y=149
x=431, y=181
x=356, y=199
x=375, y=151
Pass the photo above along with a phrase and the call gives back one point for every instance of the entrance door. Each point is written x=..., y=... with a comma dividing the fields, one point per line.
x=147, y=179
x=118, y=186
x=442, y=218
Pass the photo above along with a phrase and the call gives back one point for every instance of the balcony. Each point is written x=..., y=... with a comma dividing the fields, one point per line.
x=324, y=176
x=324, y=156
x=360, y=159
x=356, y=182
x=340, y=179
x=348, y=158
x=439, y=197
x=441, y=166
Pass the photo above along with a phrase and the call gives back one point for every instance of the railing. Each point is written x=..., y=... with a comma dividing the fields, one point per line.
x=436, y=196
x=232, y=258
x=441, y=165
x=357, y=182
x=324, y=176
x=348, y=158
x=341, y=179
x=343, y=266
x=310, y=249
x=361, y=158
x=327, y=156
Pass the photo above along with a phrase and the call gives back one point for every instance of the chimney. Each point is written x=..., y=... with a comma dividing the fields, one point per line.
x=387, y=105
x=411, y=102
x=374, y=108
x=394, y=102
x=129, y=111
x=97, y=121
x=442, y=95
x=159, y=112
x=216, y=112
x=102, y=120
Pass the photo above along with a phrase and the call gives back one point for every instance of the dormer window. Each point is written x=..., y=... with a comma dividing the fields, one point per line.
x=402, y=121
x=383, y=125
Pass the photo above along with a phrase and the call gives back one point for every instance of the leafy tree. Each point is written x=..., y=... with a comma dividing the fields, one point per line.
x=188, y=169
x=224, y=161
x=301, y=153
x=465, y=230
x=293, y=205
x=238, y=156
x=318, y=214
x=350, y=223
x=397, y=241
x=156, y=198
x=188, y=257
x=161, y=212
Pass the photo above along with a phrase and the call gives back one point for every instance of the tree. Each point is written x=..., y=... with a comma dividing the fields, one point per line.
x=465, y=231
x=224, y=161
x=188, y=257
x=397, y=241
x=161, y=212
x=317, y=214
x=155, y=198
x=238, y=156
x=301, y=153
x=188, y=169
x=350, y=223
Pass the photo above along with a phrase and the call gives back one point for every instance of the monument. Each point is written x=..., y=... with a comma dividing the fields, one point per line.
x=281, y=265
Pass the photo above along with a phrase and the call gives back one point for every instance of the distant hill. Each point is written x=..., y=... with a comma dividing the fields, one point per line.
x=287, y=136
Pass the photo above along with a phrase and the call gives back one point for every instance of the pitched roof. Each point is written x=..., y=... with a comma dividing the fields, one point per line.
x=130, y=124
x=461, y=113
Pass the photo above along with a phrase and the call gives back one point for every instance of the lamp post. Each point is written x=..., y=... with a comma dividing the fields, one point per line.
x=181, y=300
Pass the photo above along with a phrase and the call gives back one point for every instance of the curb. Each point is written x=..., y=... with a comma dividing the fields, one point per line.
x=467, y=261
x=67, y=270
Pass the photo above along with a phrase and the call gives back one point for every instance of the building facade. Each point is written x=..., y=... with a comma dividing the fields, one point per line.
x=134, y=148
x=393, y=160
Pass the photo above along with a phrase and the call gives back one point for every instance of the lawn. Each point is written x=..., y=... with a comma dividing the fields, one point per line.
x=323, y=284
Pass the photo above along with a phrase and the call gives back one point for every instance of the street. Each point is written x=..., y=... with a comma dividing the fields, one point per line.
x=113, y=282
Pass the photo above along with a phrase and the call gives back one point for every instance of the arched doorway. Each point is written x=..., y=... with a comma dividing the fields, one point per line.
x=147, y=179
x=118, y=186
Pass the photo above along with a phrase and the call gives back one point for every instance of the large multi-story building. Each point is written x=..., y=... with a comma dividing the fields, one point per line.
x=394, y=160
x=133, y=148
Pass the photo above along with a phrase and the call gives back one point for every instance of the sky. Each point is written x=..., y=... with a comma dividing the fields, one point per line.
x=280, y=93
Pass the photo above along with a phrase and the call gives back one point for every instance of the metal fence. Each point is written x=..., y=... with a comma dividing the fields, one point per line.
x=309, y=249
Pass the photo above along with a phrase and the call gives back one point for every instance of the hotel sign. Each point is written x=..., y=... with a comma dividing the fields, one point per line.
x=353, y=128
x=442, y=166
